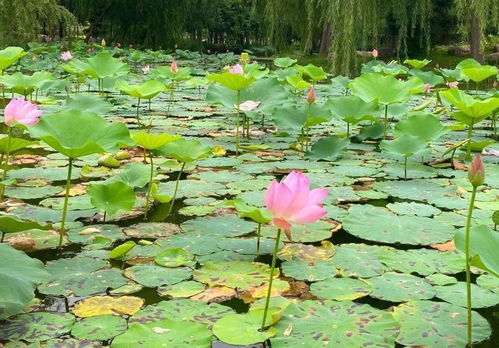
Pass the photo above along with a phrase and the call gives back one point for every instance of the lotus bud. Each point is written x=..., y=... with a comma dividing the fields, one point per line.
x=476, y=172
x=174, y=67
x=375, y=53
x=103, y=42
x=311, y=95
x=427, y=87
x=494, y=84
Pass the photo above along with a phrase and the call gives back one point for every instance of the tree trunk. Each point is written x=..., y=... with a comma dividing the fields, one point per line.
x=326, y=39
x=475, y=38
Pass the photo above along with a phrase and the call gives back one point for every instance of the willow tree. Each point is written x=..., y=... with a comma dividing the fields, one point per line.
x=22, y=21
x=475, y=17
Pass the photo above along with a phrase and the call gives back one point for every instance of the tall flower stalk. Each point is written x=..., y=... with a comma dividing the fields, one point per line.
x=476, y=176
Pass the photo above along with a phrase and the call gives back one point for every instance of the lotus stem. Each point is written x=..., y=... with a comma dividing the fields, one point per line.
x=65, y=206
x=405, y=167
x=237, y=121
x=176, y=188
x=148, y=197
x=272, y=268
x=5, y=169
x=470, y=136
x=468, y=268
x=137, y=113
x=3, y=237
x=258, y=239
x=348, y=129
x=172, y=91
x=386, y=122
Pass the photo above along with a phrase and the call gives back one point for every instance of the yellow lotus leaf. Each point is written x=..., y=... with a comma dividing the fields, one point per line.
x=102, y=305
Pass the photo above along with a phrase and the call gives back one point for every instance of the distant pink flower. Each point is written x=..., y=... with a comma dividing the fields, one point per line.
x=494, y=84
x=375, y=53
x=311, y=95
x=117, y=45
x=237, y=69
x=21, y=111
x=427, y=87
x=490, y=152
x=66, y=55
x=146, y=69
x=292, y=202
x=452, y=84
x=208, y=51
x=174, y=67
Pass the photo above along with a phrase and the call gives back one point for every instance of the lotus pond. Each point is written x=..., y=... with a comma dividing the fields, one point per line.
x=133, y=210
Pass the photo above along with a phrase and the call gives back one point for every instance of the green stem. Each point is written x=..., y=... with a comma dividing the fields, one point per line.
x=172, y=91
x=137, y=112
x=65, y=206
x=3, y=237
x=386, y=121
x=5, y=169
x=470, y=135
x=494, y=126
x=468, y=268
x=348, y=129
x=237, y=121
x=258, y=239
x=176, y=188
x=405, y=168
x=272, y=268
x=148, y=197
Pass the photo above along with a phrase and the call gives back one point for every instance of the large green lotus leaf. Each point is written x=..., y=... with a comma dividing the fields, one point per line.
x=25, y=84
x=316, y=73
x=88, y=103
x=437, y=324
x=334, y=324
x=19, y=275
x=9, y=55
x=385, y=89
x=417, y=64
x=341, y=81
x=392, y=68
x=75, y=266
x=423, y=261
x=235, y=82
x=185, y=310
x=222, y=226
x=165, y=72
x=174, y=257
x=153, y=141
x=425, y=126
x=185, y=150
x=480, y=72
x=38, y=326
x=289, y=117
x=269, y=92
x=14, y=144
x=428, y=77
x=100, y=328
x=146, y=90
x=456, y=294
x=104, y=65
x=112, y=197
x=152, y=276
x=297, y=82
x=489, y=281
x=237, y=275
x=284, y=62
x=406, y=145
x=341, y=289
x=310, y=271
x=359, y=260
x=75, y=134
x=49, y=174
x=224, y=256
x=181, y=290
x=12, y=224
x=63, y=343
x=165, y=333
x=352, y=109
x=76, y=67
x=242, y=329
x=398, y=287
x=134, y=174
x=413, y=208
x=472, y=107
x=83, y=283
x=379, y=224
x=484, y=243
x=328, y=148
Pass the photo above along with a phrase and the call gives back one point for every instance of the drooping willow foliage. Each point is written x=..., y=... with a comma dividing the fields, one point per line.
x=353, y=25
x=22, y=21
x=485, y=12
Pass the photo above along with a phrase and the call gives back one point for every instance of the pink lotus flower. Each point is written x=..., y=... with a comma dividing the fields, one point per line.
x=476, y=172
x=117, y=45
x=66, y=55
x=21, y=111
x=146, y=69
x=494, y=84
x=174, y=67
x=452, y=84
x=311, y=95
x=292, y=202
x=237, y=69
x=427, y=87
x=375, y=53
